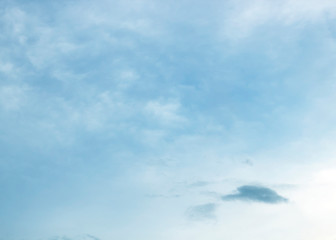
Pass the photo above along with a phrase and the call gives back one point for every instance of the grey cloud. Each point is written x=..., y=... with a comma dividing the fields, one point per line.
x=203, y=211
x=256, y=194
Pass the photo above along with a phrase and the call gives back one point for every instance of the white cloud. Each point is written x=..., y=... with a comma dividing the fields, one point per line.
x=247, y=16
x=167, y=113
x=126, y=78
x=13, y=97
x=6, y=67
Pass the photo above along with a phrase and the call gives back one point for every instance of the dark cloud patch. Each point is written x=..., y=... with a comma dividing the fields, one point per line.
x=256, y=194
x=202, y=212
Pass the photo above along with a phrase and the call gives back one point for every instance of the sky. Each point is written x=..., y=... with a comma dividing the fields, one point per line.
x=167, y=120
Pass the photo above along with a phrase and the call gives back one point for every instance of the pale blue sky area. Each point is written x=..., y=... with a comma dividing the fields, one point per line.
x=167, y=120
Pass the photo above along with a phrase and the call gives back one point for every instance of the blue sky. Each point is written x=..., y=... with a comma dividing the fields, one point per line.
x=167, y=120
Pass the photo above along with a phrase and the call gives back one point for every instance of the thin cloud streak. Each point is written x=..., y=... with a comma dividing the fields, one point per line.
x=202, y=212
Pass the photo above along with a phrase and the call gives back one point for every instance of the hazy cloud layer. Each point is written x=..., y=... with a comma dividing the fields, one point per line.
x=256, y=194
x=110, y=111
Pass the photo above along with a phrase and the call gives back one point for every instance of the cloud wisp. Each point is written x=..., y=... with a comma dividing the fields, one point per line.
x=202, y=212
x=255, y=194
x=81, y=237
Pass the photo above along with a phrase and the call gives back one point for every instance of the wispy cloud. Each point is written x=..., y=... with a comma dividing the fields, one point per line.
x=12, y=97
x=165, y=112
x=202, y=212
x=247, y=17
x=142, y=96
x=198, y=184
x=255, y=194
x=81, y=237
